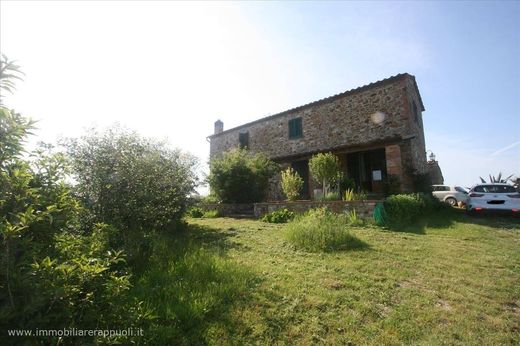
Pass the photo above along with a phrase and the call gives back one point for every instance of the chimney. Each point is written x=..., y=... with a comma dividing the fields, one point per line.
x=219, y=126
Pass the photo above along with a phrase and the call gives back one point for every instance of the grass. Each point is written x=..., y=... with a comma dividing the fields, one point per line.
x=451, y=279
x=321, y=230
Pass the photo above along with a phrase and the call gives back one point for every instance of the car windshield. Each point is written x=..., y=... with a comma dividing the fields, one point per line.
x=494, y=188
x=461, y=189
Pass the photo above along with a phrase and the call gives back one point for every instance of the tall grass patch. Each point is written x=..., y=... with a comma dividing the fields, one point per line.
x=321, y=230
x=188, y=286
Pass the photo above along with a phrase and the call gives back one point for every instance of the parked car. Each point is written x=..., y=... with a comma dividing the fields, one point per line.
x=450, y=194
x=493, y=197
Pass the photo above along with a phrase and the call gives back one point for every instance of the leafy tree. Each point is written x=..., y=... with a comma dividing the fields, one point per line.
x=292, y=184
x=240, y=177
x=132, y=182
x=324, y=168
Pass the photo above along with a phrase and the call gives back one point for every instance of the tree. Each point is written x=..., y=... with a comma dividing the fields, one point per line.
x=324, y=168
x=240, y=177
x=130, y=181
x=291, y=184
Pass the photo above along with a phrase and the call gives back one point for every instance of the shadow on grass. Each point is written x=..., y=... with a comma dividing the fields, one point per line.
x=212, y=237
x=191, y=287
x=445, y=218
x=354, y=244
x=438, y=219
x=490, y=219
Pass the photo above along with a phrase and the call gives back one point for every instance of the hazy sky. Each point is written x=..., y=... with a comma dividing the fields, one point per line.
x=170, y=69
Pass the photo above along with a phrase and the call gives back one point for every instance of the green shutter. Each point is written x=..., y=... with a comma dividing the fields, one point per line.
x=295, y=128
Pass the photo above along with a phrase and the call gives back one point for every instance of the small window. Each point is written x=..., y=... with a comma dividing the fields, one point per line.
x=295, y=128
x=243, y=139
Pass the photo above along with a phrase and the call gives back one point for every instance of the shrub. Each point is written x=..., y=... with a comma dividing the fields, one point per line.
x=279, y=216
x=402, y=210
x=240, y=177
x=391, y=185
x=432, y=204
x=210, y=199
x=210, y=214
x=292, y=183
x=324, y=168
x=332, y=196
x=353, y=218
x=52, y=275
x=134, y=183
x=195, y=212
x=320, y=230
x=345, y=183
x=351, y=195
x=84, y=284
x=421, y=182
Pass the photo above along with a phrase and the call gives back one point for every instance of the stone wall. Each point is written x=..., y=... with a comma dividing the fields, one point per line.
x=417, y=143
x=229, y=209
x=339, y=121
x=364, y=209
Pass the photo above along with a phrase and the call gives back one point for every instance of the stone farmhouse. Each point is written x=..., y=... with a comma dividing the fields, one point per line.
x=375, y=130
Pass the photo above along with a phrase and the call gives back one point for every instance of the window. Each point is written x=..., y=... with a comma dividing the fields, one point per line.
x=440, y=188
x=295, y=128
x=494, y=189
x=243, y=139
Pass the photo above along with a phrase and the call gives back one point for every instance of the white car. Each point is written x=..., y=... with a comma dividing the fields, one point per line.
x=450, y=194
x=493, y=197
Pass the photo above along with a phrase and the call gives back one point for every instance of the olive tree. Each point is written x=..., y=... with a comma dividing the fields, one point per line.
x=130, y=181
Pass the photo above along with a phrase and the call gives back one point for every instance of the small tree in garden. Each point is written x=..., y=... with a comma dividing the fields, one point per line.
x=292, y=184
x=324, y=169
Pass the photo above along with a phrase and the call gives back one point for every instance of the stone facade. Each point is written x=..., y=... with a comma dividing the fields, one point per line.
x=385, y=115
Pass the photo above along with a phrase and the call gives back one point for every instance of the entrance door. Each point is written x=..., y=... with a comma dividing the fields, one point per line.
x=368, y=169
x=302, y=168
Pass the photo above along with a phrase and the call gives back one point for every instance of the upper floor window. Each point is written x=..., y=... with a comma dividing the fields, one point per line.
x=295, y=128
x=243, y=139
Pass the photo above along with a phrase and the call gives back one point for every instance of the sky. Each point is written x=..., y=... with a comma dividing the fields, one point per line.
x=169, y=70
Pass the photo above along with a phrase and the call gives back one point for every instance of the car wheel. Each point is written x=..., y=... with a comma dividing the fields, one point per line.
x=451, y=201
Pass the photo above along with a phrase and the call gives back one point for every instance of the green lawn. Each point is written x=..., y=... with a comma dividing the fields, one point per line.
x=453, y=279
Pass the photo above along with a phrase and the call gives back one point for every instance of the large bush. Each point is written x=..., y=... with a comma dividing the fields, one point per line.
x=53, y=276
x=129, y=181
x=320, y=230
x=405, y=209
x=240, y=177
